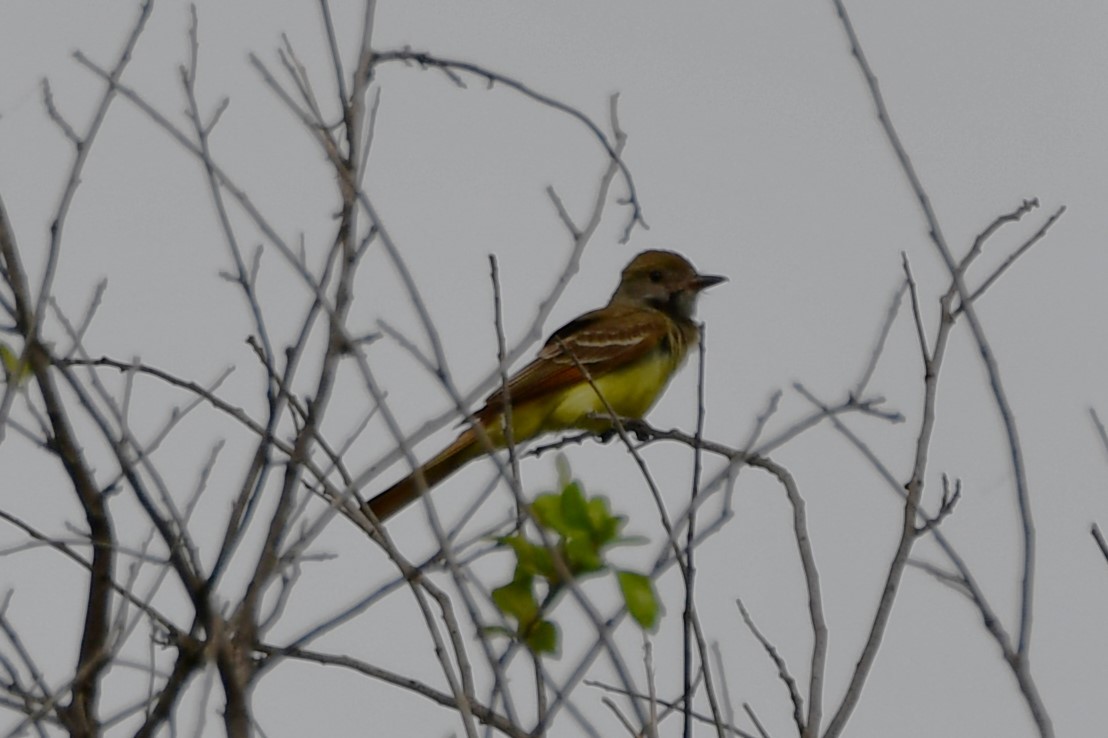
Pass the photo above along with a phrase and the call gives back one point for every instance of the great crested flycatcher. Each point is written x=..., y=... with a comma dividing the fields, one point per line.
x=629, y=349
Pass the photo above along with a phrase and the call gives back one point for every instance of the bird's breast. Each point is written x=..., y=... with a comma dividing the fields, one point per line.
x=630, y=391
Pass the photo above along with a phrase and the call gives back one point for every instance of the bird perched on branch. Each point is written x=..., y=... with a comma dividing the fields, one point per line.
x=617, y=359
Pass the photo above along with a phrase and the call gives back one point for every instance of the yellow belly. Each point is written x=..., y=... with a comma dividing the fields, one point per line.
x=630, y=392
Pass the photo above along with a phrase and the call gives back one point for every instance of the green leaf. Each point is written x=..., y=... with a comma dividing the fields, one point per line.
x=561, y=464
x=604, y=525
x=599, y=511
x=542, y=637
x=582, y=555
x=642, y=601
x=16, y=370
x=530, y=558
x=518, y=601
x=498, y=630
x=547, y=510
x=575, y=509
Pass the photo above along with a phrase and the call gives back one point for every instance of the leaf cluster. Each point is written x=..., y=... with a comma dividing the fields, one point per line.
x=574, y=533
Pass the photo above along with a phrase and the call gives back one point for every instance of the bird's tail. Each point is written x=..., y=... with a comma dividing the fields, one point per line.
x=464, y=449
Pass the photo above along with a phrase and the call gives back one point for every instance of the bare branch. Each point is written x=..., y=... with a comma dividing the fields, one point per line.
x=879, y=345
x=482, y=713
x=1035, y=238
x=83, y=148
x=673, y=706
x=56, y=116
x=782, y=668
x=1100, y=542
x=956, y=271
x=427, y=60
x=1101, y=432
x=754, y=719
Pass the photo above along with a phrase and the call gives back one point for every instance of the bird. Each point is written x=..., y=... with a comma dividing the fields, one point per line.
x=626, y=351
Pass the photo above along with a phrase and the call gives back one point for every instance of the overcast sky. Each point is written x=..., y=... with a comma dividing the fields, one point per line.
x=756, y=152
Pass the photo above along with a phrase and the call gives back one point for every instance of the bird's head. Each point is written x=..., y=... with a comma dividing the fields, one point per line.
x=663, y=280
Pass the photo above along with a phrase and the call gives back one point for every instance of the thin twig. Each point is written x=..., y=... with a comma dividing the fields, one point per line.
x=427, y=60
x=1100, y=542
x=671, y=706
x=782, y=668
x=1035, y=238
x=82, y=150
x=879, y=345
x=754, y=719
x=1101, y=432
x=483, y=714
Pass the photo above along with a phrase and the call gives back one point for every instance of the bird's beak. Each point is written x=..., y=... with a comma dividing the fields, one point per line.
x=704, y=281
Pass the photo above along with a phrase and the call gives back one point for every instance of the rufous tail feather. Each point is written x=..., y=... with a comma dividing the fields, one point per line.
x=407, y=490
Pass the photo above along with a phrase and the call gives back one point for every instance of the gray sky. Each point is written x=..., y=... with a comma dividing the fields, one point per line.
x=756, y=152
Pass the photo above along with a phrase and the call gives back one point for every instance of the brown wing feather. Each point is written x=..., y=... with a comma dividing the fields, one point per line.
x=601, y=341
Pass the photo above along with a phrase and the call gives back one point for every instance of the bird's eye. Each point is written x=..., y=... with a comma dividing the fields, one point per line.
x=656, y=276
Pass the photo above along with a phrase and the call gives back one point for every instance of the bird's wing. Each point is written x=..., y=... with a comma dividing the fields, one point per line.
x=600, y=341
